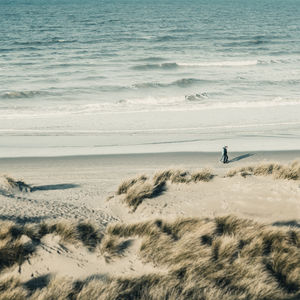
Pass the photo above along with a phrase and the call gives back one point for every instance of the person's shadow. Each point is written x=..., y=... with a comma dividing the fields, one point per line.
x=240, y=157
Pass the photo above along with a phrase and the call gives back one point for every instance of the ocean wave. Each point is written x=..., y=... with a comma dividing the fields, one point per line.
x=196, y=97
x=165, y=66
x=21, y=94
x=174, y=65
x=221, y=63
x=64, y=65
x=257, y=37
x=54, y=40
x=199, y=101
x=165, y=38
x=244, y=44
x=113, y=88
x=143, y=104
x=29, y=48
x=253, y=42
x=184, y=82
x=95, y=77
x=151, y=59
x=146, y=85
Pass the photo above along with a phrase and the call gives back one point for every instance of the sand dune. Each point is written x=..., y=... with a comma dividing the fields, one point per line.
x=220, y=258
x=174, y=232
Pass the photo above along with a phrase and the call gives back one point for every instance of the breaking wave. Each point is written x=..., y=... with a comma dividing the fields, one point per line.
x=174, y=65
x=165, y=38
x=222, y=64
x=151, y=59
x=184, y=82
x=21, y=94
x=200, y=101
x=196, y=97
x=45, y=42
x=165, y=66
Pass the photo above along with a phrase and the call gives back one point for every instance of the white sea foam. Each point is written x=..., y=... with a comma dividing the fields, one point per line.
x=221, y=63
x=174, y=65
x=146, y=104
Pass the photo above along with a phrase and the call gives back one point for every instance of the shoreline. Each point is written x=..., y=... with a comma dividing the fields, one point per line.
x=261, y=153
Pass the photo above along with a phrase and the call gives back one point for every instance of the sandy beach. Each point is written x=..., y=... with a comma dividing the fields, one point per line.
x=80, y=189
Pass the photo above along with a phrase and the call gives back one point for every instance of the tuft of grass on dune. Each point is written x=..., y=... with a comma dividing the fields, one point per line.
x=84, y=232
x=182, y=176
x=144, y=190
x=137, y=189
x=278, y=171
x=19, y=185
x=125, y=185
x=204, y=175
x=11, y=288
x=18, y=242
x=111, y=246
x=56, y=288
x=221, y=258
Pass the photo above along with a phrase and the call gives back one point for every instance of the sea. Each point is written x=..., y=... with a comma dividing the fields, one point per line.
x=138, y=76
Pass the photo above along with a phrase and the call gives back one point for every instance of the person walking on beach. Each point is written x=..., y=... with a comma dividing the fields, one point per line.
x=224, y=157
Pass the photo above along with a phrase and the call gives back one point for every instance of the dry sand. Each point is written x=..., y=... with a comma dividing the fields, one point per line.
x=77, y=188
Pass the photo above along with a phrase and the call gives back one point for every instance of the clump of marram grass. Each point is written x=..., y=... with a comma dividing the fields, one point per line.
x=14, y=252
x=221, y=258
x=230, y=257
x=20, y=185
x=204, y=175
x=84, y=232
x=11, y=288
x=112, y=246
x=126, y=184
x=181, y=176
x=140, y=188
x=56, y=288
x=140, y=191
x=278, y=171
x=18, y=242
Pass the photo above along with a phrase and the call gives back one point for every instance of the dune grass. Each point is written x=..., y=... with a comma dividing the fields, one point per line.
x=112, y=246
x=15, y=184
x=18, y=242
x=140, y=191
x=136, y=190
x=220, y=258
x=278, y=171
x=182, y=176
x=224, y=258
x=127, y=184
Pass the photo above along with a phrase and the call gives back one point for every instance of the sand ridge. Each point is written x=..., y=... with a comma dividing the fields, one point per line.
x=120, y=256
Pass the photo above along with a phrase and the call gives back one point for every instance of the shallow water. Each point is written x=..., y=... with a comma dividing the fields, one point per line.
x=141, y=76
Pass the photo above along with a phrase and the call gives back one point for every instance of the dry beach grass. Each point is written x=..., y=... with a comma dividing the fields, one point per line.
x=140, y=188
x=278, y=171
x=220, y=258
x=18, y=242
